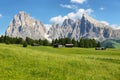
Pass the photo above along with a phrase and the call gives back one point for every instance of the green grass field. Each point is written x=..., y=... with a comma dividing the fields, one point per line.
x=47, y=63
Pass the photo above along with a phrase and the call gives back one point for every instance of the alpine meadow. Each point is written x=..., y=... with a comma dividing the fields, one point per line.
x=48, y=63
x=59, y=39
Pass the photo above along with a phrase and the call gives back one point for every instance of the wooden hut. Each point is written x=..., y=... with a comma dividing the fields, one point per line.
x=57, y=45
x=69, y=45
x=34, y=44
x=100, y=48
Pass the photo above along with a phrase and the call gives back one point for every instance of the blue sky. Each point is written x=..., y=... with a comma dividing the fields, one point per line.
x=50, y=11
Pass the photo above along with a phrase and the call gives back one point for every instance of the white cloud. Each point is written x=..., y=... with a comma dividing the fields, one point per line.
x=72, y=15
x=102, y=8
x=58, y=19
x=78, y=1
x=105, y=22
x=69, y=6
x=0, y=15
x=115, y=26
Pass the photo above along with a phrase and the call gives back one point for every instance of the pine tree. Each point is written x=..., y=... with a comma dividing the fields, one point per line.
x=40, y=42
x=29, y=40
x=25, y=44
x=63, y=41
x=94, y=42
x=2, y=39
x=68, y=41
x=98, y=44
x=45, y=42
x=81, y=43
x=74, y=42
x=56, y=41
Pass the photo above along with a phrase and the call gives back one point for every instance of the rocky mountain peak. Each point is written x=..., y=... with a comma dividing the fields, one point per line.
x=23, y=25
x=22, y=12
x=22, y=18
x=21, y=15
x=87, y=18
x=86, y=27
x=90, y=19
x=68, y=22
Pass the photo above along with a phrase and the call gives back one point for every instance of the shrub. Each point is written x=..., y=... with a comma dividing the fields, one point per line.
x=25, y=44
x=7, y=42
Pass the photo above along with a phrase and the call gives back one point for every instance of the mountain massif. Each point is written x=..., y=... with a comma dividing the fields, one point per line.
x=25, y=26
x=85, y=27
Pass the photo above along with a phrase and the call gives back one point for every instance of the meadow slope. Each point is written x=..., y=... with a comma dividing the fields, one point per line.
x=47, y=63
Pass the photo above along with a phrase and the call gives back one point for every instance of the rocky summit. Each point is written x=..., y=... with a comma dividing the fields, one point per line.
x=86, y=27
x=24, y=26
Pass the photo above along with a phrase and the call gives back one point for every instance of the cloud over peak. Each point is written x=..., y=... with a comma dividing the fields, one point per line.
x=115, y=26
x=72, y=15
x=58, y=19
x=105, y=22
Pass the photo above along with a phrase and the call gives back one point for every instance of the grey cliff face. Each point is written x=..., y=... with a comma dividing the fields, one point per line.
x=25, y=26
x=55, y=31
x=86, y=27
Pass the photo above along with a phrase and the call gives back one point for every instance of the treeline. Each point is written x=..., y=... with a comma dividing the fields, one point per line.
x=9, y=40
x=83, y=43
x=27, y=41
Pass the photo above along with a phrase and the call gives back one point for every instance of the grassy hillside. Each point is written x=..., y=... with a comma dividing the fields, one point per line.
x=111, y=43
x=47, y=63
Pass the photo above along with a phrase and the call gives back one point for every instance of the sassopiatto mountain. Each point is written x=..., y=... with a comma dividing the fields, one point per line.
x=24, y=26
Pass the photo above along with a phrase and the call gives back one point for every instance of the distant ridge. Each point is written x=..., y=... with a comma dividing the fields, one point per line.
x=111, y=43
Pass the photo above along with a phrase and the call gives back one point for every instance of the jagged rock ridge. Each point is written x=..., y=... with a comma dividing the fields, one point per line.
x=85, y=27
x=25, y=26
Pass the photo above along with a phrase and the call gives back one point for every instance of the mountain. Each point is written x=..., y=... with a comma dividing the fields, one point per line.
x=111, y=43
x=24, y=26
x=85, y=27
